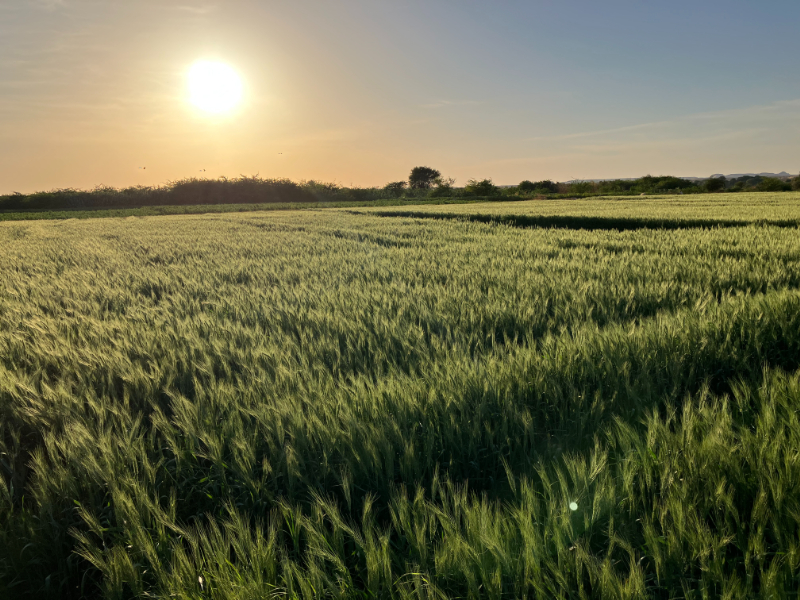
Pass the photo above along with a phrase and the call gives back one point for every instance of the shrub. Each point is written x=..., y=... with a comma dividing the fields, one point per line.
x=526, y=186
x=443, y=189
x=395, y=188
x=484, y=187
x=545, y=187
x=772, y=184
x=714, y=184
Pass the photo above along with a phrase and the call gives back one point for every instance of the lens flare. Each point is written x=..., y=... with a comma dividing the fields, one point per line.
x=214, y=87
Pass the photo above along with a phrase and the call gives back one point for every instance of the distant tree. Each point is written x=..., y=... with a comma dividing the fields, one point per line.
x=773, y=184
x=582, y=187
x=668, y=182
x=484, y=187
x=395, y=188
x=443, y=189
x=715, y=184
x=614, y=186
x=745, y=182
x=526, y=186
x=422, y=178
x=796, y=183
x=646, y=183
x=545, y=186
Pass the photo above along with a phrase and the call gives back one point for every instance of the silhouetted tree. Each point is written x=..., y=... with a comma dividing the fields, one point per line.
x=715, y=184
x=395, y=188
x=443, y=189
x=422, y=178
x=485, y=187
x=545, y=186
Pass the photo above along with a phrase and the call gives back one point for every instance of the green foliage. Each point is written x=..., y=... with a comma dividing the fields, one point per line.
x=395, y=189
x=647, y=184
x=773, y=184
x=545, y=187
x=423, y=178
x=342, y=404
x=581, y=187
x=484, y=187
x=796, y=183
x=215, y=194
x=526, y=186
x=242, y=190
x=644, y=185
x=443, y=188
x=745, y=182
x=714, y=184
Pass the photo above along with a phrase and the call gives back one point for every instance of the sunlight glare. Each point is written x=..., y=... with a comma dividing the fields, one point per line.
x=214, y=87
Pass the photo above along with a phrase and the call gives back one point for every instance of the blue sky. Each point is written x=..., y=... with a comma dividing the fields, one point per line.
x=359, y=92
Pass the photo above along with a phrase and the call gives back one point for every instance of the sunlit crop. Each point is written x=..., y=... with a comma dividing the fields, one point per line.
x=319, y=403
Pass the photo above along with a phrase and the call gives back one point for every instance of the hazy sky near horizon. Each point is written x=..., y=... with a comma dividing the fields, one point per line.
x=358, y=92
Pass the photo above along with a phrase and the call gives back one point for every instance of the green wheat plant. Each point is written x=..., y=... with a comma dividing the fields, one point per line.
x=348, y=403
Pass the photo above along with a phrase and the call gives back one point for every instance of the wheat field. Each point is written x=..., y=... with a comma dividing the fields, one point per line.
x=358, y=403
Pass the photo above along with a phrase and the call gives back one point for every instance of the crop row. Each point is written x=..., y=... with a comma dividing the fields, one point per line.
x=650, y=211
x=328, y=404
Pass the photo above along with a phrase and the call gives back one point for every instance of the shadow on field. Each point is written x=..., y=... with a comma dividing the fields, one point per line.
x=599, y=223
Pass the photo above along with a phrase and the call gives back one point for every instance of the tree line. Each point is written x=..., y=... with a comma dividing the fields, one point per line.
x=422, y=182
x=431, y=179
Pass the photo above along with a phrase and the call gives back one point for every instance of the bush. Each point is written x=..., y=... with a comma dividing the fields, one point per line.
x=545, y=187
x=360, y=194
x=796, y=183
x=715, y=184
x=443, y=189
x=582, y=187
x=526, y=186
x=484, y=187
x=772, y=184
x=395, y=188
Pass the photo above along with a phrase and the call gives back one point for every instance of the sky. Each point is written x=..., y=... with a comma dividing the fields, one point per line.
x=358, y=92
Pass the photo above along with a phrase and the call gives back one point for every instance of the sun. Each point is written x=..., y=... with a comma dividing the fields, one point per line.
x=214, y=87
